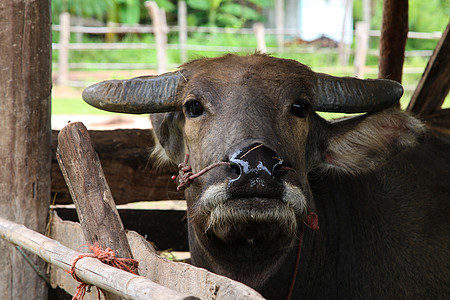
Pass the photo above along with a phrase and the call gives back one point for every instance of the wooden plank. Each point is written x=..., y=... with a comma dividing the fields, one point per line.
x=131, y=174
x=166, y=229
x=394, y=32
x=88, y=269
x=260, y=37
x=25, y=88
x=182, y=34
x=177, y=276
x=362, y=45
x=158, y=17
x=434, y=85
x=63, y=55
x=279, y=20
x=90, y=192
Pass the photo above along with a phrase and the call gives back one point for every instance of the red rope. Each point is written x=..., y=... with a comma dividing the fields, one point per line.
x=106, y=256
x=313, y=222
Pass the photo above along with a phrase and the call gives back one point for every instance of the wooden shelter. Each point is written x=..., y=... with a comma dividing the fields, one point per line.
x=30, y=174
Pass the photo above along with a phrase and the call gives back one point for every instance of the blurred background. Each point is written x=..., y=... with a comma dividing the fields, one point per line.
x=110, y=39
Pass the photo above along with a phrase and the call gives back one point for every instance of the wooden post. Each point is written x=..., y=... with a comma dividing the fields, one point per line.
x=160, y=29
x=434, y=85
x=279, y=19
x=90, y=192
x=64, y=40
x=362, y=44
x=25, y=69
x=344, y=47
x=258, y=28
x=394, y=32
x=182, y=24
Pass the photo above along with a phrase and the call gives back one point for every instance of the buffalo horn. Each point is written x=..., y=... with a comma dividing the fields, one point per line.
x=140, y=95
x=353, y=95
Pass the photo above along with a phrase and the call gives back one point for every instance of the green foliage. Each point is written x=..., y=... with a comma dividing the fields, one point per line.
x=129, y=11
x=123, y=11
x=224, y=13
x=424, y=16
x=85, y=8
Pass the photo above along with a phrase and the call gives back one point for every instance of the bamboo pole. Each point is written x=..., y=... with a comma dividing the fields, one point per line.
x=90, y=270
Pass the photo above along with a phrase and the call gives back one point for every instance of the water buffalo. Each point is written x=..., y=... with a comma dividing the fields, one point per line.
x=293, y=205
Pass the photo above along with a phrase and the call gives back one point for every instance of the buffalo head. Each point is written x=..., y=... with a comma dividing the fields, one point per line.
x=258, y=114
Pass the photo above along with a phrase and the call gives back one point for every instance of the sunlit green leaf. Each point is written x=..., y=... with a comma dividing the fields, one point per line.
x=199, y=4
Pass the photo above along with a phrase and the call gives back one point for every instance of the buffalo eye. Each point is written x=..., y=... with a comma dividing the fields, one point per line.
x=193, y=108
x=300, y=109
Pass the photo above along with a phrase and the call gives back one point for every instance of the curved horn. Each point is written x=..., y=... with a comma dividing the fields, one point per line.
x=353, y=95
x=140, y=95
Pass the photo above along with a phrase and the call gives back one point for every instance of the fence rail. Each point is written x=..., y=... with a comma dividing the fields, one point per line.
x=160, y=29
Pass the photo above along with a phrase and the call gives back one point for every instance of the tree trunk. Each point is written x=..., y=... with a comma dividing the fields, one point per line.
x=25, y=85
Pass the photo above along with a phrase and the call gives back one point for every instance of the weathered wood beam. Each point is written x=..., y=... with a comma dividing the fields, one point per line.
x=434, y=85
x=25, y=85
x=166, y=229
x=90, y=192
x=394, y=33
x=125, y=158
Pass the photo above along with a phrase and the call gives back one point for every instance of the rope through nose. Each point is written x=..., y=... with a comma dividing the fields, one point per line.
x=186, y=176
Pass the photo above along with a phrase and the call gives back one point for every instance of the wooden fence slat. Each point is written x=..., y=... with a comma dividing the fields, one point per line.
x=279, y=20
x=167, y=229
x=260, y=37
x=159, y=23
x=362, y=44
x=64, y=42
x=90, y=270
x=434, y=85
x=182, y=23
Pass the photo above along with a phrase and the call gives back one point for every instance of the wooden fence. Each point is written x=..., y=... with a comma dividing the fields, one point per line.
x=160, y=29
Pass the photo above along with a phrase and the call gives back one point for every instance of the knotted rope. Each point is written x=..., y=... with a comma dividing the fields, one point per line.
x=106, y=256
x=186, y=176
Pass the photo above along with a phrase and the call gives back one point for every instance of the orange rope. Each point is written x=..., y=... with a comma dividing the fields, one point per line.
x=106, y=256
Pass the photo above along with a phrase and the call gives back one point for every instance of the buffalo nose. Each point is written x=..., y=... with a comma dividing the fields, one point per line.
x=256, y=167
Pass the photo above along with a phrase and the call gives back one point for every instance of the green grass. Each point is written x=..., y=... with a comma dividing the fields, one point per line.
x=75, y=106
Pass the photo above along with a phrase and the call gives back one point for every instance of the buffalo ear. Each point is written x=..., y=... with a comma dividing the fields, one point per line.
x=361, y=144
x=169, y=141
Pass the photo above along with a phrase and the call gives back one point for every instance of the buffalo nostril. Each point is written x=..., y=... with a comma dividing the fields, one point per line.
x=281, y=169
x=235, y=168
